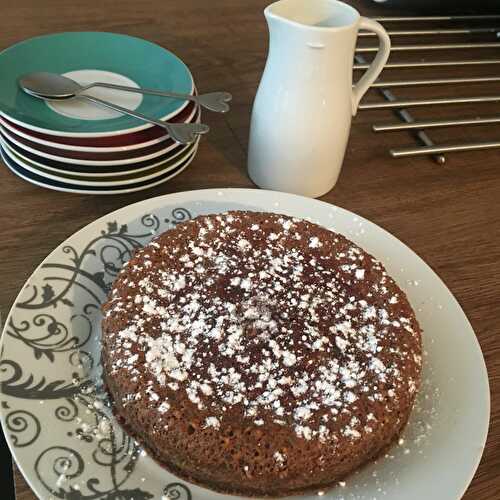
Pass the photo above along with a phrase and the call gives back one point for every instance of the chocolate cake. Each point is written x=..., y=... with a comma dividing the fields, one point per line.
x=258, y=354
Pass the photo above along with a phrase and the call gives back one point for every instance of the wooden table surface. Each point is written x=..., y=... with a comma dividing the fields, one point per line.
x=450, y=215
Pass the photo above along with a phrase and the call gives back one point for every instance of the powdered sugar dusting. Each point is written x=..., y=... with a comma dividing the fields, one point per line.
x=293, y=329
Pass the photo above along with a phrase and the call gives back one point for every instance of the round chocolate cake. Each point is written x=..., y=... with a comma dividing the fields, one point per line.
x=258, y=354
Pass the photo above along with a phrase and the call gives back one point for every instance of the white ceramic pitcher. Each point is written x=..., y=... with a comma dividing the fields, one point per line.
x=302, y=111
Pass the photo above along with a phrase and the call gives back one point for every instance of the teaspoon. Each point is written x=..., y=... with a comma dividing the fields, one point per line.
x=52, y=86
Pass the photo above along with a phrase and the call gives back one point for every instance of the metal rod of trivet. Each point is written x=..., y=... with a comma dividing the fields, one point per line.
x=406, y=117
x=436, y=18
x=452, y=31
x=425, y=150
x=430, y=64
x=392, y=127
x=435, y=46
x=428, y=102
x=435, y=81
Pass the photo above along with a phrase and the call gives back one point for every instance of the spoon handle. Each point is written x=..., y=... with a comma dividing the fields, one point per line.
x=214, y=101
x=183, y=133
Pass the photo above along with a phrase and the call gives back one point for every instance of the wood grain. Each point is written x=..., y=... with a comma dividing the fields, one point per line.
x=448, y=214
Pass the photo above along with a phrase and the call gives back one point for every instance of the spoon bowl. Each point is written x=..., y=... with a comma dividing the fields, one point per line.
x=49, y=86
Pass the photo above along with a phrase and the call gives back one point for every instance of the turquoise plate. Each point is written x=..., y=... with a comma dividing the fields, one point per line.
x=142, y=62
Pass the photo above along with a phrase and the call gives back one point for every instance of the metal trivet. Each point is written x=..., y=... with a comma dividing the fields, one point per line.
x=418, y=128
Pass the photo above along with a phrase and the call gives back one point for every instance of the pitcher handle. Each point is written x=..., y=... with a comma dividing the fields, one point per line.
x=378, y=63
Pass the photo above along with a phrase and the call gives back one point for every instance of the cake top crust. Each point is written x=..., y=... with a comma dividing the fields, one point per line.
x=263, y=317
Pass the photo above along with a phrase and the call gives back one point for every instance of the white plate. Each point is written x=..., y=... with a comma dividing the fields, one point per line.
x=105, y=163
x=117, y=181
x=89, y=172
x=90, y=149
x=14, y=167
x=53, y=331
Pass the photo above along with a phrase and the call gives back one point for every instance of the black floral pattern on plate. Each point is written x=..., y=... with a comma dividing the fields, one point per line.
x=54, y=318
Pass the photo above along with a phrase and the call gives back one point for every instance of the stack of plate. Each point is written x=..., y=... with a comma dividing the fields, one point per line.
x=76, y=146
